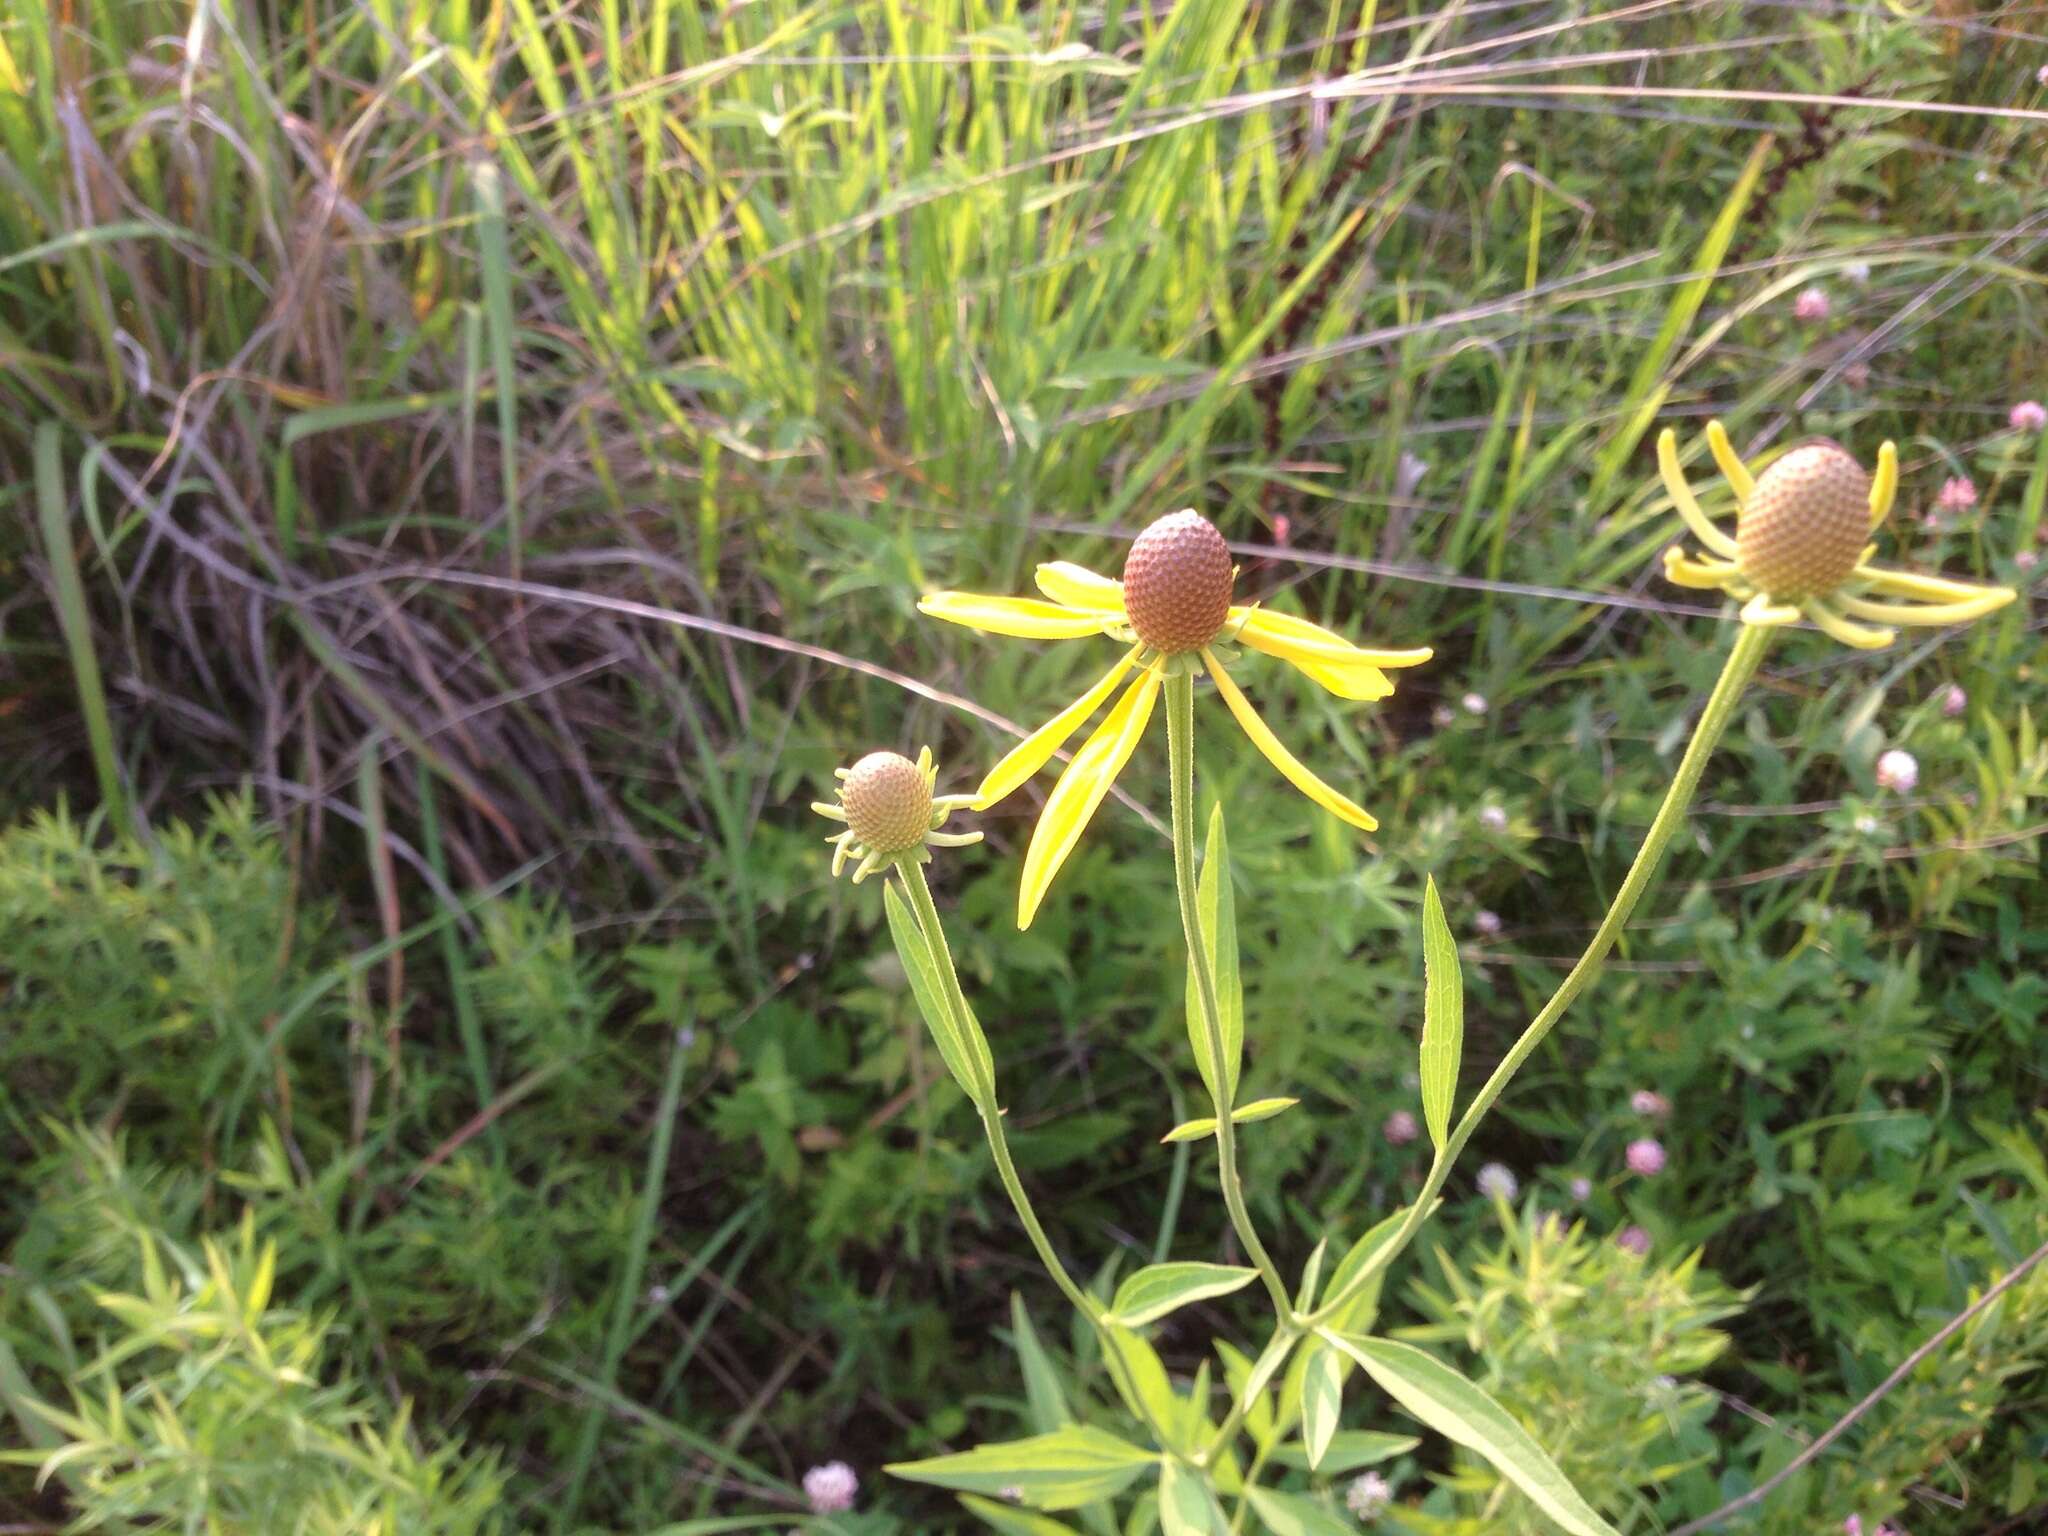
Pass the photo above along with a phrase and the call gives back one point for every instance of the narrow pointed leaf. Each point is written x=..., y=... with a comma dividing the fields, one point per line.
x=1443, y=1017
x=1461, y=1412
x=1322, y=1400
x=1158, y=1289
x=1289, y=1514
x=1185, y=1508
x=966, y=1063
x=1042, y=1393
x=1349, y=1450
x=1063, y=1470
x=1014, y=1521
x=1217, y=909
x=1244, y=1114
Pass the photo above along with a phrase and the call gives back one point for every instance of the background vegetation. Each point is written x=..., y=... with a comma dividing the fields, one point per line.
x=468, y=470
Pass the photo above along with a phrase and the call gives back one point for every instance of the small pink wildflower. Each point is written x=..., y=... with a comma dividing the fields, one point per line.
x=1473, y=703
x=2028, y=416
x=1582, y=1189
x=1493, y=818
x=1443, y=716
x=1650, y=1105
x=2025, y=559
x=1633, y=1240
x=1368, y=1496
x=1487, y=923
x=831, y=1488
x=1953, y=700
x=1497, y=1181
x=1400, y=1128
x=1898, y=771
x=1646, y=1157
x=1812, y=305
x=1958, y=494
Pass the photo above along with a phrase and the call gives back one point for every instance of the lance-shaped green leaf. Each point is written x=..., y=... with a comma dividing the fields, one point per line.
x=1014, y=1521
x=1322, y=1400
x=1443, y=1017
x=1349, y=1450
x=961, y=1044
x=1046, y=1401
x=1158, y=1289
x=1289, y=1514
x=1185, y=1506
x=1070, y=1467
x=1217, y=910
x=1243, y=1114
x=1461, y=1412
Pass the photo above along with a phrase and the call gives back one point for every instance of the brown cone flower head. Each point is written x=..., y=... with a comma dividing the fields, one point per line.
x=1177, y=583
x=1806, y=524
x=888, y=804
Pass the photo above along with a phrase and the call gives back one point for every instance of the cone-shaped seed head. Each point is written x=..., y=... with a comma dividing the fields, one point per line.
x=1177, y=583
x=1805, y=525
x=888, y=804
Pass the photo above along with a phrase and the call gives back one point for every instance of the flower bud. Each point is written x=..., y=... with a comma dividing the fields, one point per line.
x=831, y=1488
x=888, y=803
x=1646, y=1157
x=1400, y=1128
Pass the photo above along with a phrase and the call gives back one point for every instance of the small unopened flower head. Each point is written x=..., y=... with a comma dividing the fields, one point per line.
x=1633, y=1240
x=1953, y=700
x=1368, y=1496
x=1804, y=526
x=1646, y=1157
x=831, y=1488
x=1650, y=1104
x=1400, y=1128
x=1958, y=494
x=1474, y=703
x=1812, y=305
x=1497, y=1181
x=2025, y=559
x=1582, y=1189
x=1177, y=581
x=1487, y=923
x=1867, y=825
x=1493, y=818
x=890, y=812
x=1898, y=771
x=1443, y=716
x=2028, y=416
x=1857, y=272
x=888, y=803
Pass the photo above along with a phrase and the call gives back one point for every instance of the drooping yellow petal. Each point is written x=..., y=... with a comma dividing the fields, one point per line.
x=1732, y=467
x=1694, y=571
x=1081, y=789
x=1963, y=612
x=1762, y=611
x=1023, y=616
x=1832, y=624
x=1346, y=680
x=1078, y=587
x=1884, y=485
x=1291, y=638
x=1933, y=589
x=1682, y=498
x=1036, y=750
x=1290, y=769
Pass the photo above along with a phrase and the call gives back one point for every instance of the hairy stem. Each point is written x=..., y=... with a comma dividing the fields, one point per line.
x=1180, y=737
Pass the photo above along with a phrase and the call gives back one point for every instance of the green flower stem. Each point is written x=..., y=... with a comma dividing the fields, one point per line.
x=1735, y=675
x=1180, y=737
x=920, y=894
x=926, y=911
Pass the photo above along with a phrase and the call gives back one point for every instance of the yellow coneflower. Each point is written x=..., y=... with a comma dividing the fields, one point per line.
x=1172, y=609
